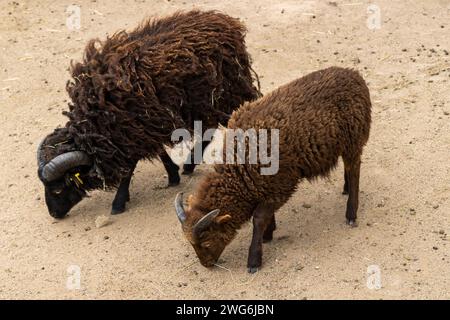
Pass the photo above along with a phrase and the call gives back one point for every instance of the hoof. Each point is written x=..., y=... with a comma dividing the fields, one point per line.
x=173, y=183
x=187, y=171
x=115, y=211
x=252, y=269
x=352, y=223
x=267, y=239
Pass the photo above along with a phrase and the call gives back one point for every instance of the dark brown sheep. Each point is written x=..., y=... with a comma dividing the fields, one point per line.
x=320, y=117
x=132, y=90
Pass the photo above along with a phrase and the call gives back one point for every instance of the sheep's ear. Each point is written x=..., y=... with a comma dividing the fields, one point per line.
x=222, y=219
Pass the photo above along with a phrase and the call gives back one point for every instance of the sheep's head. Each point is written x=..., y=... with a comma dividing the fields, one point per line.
x=61, y=196
x=207, y=233
x=66, y=178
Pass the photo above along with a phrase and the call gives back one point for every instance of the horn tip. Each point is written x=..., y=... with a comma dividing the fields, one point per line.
x=179, y=196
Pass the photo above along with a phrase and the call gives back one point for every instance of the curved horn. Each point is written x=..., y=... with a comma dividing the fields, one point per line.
x=58, y=166
x=179, y=207
x=205, y=222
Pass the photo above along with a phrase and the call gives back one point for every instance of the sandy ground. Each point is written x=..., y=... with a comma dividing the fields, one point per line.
x=404, y=222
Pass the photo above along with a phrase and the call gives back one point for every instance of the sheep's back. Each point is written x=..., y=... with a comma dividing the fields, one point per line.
x=133, y=89
x=320, y=117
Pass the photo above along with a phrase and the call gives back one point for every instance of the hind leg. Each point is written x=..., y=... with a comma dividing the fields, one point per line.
x=352, y=170
x=345, y=191
x=268, y=233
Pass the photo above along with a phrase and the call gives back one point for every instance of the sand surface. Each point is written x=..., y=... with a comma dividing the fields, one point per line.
x=404, y=217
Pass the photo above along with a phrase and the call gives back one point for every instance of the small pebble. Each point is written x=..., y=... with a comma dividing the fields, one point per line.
x=306, y=205
x=102, y=221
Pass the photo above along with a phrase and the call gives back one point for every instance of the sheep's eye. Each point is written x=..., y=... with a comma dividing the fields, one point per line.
x=57, y=191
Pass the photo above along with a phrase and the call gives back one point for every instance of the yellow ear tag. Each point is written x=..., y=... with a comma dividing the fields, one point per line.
x=77, y=177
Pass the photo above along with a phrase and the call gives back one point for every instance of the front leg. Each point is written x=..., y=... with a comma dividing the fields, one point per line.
x=171, y=168
x=262, y=218
x=123, y=194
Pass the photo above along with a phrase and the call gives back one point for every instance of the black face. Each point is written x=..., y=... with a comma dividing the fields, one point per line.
x=61, y=196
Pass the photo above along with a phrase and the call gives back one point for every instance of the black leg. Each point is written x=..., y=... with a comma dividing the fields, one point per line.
x=353, y=170
x=345, y=191
x=122, y=195
x=268, y=233
x=262, y=218
x=188, y=168
x=171, y=168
